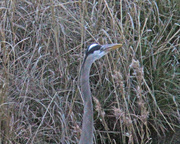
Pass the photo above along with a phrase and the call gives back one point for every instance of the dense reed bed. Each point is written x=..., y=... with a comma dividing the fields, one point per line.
x=136, y=90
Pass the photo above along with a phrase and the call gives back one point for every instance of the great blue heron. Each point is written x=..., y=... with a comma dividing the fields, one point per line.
x=93, y=53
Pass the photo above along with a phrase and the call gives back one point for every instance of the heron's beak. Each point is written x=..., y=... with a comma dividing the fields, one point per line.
x=110, y=47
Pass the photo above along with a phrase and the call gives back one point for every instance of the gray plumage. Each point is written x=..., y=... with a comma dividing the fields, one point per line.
x=93, y=53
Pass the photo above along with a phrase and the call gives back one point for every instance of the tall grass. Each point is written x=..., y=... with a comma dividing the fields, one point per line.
x=135, y=89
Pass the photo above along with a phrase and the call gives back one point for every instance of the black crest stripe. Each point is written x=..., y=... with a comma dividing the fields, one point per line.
x=97, y=47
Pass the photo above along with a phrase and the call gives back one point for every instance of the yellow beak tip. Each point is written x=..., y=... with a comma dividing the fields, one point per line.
x=115, y=46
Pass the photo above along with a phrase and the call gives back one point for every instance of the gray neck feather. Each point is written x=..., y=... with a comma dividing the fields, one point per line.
x=87, y=126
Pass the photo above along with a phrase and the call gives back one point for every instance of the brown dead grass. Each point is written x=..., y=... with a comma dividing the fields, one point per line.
x=135, y=89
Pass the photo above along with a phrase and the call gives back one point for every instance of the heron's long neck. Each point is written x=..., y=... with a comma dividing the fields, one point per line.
x=87, y=126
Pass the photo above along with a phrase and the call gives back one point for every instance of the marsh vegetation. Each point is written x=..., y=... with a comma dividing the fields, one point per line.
x=136, y=89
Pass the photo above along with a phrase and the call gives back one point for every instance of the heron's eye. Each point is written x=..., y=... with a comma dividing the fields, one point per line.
x=92, y=48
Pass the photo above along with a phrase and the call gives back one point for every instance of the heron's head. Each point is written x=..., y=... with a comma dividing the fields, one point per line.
x=96, y=51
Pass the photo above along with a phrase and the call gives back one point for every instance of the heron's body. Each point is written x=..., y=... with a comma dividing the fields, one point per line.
x=93, y=53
